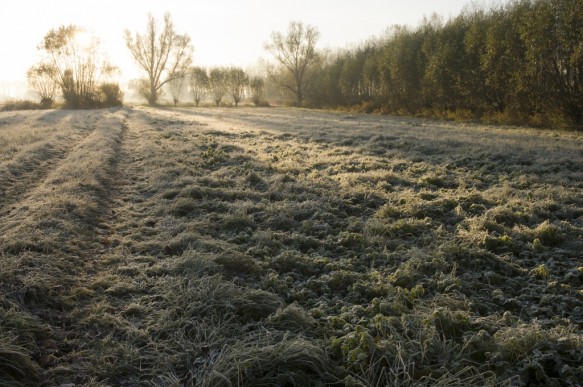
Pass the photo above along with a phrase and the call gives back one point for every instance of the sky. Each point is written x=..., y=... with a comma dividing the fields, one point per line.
x=225, y=32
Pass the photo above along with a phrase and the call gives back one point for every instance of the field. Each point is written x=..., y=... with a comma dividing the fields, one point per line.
x=263, y=247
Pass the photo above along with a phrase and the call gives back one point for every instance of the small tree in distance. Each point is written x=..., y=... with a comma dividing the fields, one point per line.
x=199, y=84
x=296, y=57
x=218, y=83
x=163, y=54
x=41, y=79
x=257, y=87
x=176, y=86
x=237, y=81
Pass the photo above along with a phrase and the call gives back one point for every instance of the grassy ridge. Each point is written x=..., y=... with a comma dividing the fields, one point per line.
x=292, y=247
x=46, y=235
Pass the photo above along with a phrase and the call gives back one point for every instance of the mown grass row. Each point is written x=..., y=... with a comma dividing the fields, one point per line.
x=31, y=145
x=46, y=241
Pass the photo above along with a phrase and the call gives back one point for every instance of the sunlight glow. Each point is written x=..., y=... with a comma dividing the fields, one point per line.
x=84, y=39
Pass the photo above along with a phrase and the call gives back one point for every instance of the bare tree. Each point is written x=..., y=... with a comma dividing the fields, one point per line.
x=237, y=81
x=41, y=79
x=296, y=55
x=218, y=83
x=199, y=83
x=162, y=53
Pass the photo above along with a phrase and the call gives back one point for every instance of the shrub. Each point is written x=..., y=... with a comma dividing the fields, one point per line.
x=549, y=234
x=106, y=95
x=257, y=86
x=22, y=105
x=46, y=102
x=110, y=95
x=16, y=366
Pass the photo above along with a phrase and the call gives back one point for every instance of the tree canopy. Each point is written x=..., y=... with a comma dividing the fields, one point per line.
x=517, y=63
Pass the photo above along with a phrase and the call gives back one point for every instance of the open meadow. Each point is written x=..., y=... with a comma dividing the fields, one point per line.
x=289, y=247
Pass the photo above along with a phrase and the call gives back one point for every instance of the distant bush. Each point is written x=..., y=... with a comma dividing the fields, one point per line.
x=110, y=95
x=42, y=79
x=257, y=87
x=23, y=105
x=46, y=102
x=105, y=95
x=263, y=103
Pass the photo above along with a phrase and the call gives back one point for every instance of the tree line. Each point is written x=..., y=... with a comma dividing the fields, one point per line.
x=72, y=63
x=215, y=83
x=518, y=63
x=521, y=62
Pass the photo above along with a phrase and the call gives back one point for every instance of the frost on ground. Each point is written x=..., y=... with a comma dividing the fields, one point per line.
x=285, y=246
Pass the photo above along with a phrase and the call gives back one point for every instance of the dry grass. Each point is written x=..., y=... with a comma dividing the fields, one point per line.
x=286, y=246
x=16, y=365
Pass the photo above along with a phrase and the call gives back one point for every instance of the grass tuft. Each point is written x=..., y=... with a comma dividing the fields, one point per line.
x=269, y=360
x=16, y=366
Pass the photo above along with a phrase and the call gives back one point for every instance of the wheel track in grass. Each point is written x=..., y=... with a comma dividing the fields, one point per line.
x=31, y=162
x=80, y=329
x=98, y=322
x=49, y=238
x=56, y=178
x=118, y=318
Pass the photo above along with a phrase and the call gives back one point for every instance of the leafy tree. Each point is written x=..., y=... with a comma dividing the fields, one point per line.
x=501, y=62
x=449, y=66
x=401, y=70
x=296, y=57
x=237, y=81
x=164, y=54
x=370, y=82
x=199, y=83
x=257, y=87
x=552, y=34
x=218, y=83
x=521, y=62
x=42, y=79
x=325, y=89
x=477, y=92
x=76, y=64
x=349, y=80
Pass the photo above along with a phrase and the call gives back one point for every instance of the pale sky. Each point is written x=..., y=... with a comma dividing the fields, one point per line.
x=224, y=32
